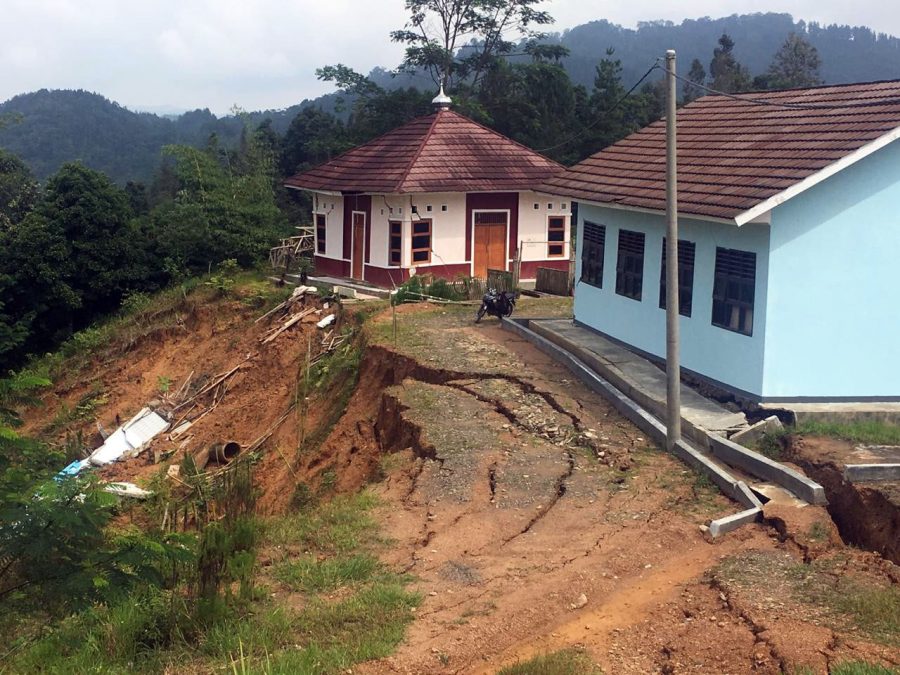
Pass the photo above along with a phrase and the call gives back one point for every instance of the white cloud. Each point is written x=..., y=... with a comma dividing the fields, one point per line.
x=263, y=53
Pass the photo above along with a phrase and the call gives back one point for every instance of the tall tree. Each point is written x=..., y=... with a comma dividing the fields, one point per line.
x=224, y=207
x=796, y=64
x=458, y=40
x=94, y=216
x=18, y=189
x=696, y=76
x=726, y=73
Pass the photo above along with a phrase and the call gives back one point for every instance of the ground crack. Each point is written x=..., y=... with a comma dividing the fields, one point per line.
x=759, y=631
x=558, y=494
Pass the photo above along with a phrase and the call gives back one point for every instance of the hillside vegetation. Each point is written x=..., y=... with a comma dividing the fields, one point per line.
x=56, y=127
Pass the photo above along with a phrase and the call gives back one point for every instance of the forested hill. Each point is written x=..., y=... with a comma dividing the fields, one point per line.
x=48, y=128
x=59, y=126
x=849, y=54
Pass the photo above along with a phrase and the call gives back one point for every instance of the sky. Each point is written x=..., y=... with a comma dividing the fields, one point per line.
x=174, y=55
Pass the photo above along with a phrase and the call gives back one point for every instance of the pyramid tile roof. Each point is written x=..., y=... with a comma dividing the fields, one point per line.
x=441, y=152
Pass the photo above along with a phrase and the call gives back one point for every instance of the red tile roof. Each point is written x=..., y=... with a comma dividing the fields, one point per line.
x=441, y=152
x=735, y=154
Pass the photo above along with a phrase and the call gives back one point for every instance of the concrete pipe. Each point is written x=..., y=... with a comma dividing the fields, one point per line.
x=224, y=453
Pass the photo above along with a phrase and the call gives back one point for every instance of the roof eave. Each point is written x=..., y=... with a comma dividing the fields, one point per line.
x=637, y=209
x=816, y=178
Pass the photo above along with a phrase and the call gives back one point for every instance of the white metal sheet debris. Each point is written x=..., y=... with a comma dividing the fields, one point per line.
x=127, y=490
x=327, y=321
x=131, y=437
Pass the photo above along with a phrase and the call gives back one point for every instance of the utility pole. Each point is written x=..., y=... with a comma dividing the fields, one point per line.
x=673, y=369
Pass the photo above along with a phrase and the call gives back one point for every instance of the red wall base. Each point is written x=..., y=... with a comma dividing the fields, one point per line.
x=386, y=277
x=530, y=267
x=332, y=267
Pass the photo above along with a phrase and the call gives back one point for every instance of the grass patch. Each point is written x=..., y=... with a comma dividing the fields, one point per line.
x=860, y=668
x=875, y=611
x=770, y=444
x=563, y=662
x=871, y=432
x=338, y=527
x=148, y=633
x=310, y=575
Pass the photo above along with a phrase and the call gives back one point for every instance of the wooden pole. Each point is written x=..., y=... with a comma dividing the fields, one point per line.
x=673, y=368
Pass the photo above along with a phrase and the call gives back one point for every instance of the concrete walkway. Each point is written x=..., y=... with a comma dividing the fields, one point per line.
x=637, y=377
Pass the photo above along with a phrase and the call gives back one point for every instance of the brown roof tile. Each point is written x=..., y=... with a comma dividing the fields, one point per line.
x=735, y=154
x=441, y=152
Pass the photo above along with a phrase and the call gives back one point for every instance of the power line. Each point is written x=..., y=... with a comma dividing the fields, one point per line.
x=601, y=115
x=778, y=104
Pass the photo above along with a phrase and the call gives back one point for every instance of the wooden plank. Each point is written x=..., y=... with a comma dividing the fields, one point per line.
x=552, y=281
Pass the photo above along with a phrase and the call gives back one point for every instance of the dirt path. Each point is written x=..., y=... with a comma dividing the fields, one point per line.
x=533, y=518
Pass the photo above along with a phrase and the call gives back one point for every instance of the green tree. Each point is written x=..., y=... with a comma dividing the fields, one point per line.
x=796, y=64
x=725, y=72
x=18, y=189
x=313, y=137
x=696, y=76
x=609, y=115
x=38, y=304
x=533, y=103
x=224, y=207
x=105, y=251
x=459, y=40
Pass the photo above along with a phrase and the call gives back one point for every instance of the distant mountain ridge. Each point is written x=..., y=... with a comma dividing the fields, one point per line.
x=63, y=125
x=848, y=53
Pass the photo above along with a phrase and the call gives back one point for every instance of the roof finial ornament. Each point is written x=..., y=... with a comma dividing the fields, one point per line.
x=441, y=101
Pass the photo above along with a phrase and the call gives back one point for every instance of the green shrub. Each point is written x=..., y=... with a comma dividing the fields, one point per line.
x=563, y=662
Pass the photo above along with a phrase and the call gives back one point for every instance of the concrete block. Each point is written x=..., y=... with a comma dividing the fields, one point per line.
x=727, y=483
x=345, y=292
x=862, y=473
x=761, y=466
x=749, y=436
x=749, y=499
x=720, y=526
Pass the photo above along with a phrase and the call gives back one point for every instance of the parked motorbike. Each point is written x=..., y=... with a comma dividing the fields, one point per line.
x=496, y=303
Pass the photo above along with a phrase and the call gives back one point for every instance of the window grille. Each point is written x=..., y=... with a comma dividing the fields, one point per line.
x=630, y=265
x=734, y=290
x=686, y=251
x=593, y=246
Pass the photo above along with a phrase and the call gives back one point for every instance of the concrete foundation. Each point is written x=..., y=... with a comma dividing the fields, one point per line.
x=864, y=473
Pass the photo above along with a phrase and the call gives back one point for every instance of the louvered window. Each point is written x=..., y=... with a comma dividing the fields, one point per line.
x=320, y=233
x=685, y=277
x=630, y=266
x=734, y=290
x=593, y=245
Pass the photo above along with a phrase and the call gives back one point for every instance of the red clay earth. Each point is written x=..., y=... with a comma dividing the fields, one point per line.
x=531, y=516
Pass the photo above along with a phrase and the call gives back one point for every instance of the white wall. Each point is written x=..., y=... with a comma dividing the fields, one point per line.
x=533, y=224
x=333, y=208
x=717, y=353
x=448, y=234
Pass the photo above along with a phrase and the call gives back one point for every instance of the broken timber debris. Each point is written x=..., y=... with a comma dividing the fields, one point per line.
x=287, y=324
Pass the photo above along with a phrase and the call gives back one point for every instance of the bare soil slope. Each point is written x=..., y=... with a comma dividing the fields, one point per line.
x=530, y=514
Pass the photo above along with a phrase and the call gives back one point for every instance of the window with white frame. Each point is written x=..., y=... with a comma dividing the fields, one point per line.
x=556, y=236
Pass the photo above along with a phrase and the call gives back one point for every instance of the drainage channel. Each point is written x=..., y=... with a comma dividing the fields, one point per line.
x=727, y=464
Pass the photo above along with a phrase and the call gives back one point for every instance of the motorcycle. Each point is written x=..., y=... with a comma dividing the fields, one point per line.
x=496, y=303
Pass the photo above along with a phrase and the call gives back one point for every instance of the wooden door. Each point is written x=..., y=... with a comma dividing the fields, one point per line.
x=359, y=241
x=490, y=242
